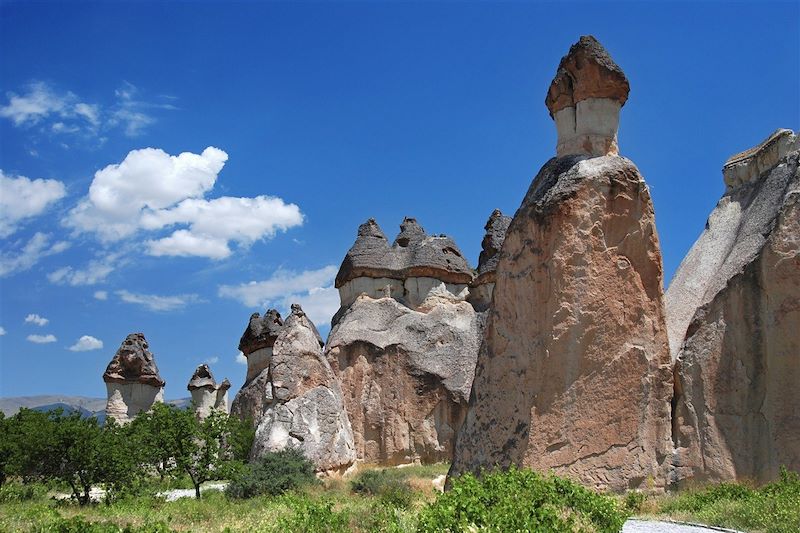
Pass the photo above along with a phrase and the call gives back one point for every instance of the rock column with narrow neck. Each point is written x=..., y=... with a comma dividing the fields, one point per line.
x=132, y=380
x=585, y=99
x=207, y=395
x=574, y=371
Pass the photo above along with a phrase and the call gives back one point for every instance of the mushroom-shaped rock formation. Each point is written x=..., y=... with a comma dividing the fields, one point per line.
x=404, y=343
x=303, y=404
x=480, y=294
x=407, y=270
x=733, y=318
x=207, y=395
x=585, y=98
x=574, y=371
x=133, y=383
x=256, y=344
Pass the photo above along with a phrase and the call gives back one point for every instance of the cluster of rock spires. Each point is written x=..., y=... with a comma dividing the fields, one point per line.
x=134, y=385
x=561, y=351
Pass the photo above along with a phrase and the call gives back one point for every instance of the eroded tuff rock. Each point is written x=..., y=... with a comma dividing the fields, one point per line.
x=299, y=399
x=405, y=374
x=207, y=395
x=133, y=383
x=407, y=270
x=256, y=344
x=585, y=98
x=733, y=311
x=480, y=293
x=405, y=341
x=574, y=371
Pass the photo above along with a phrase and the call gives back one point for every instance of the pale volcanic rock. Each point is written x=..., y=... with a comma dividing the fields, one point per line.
x=480, y=294
x=585, y=98
x=405, y=374
x=257, y=344
x=133, y=383
x=302, y=404
x=574, y=371
x=734, y=310
x=207, y=395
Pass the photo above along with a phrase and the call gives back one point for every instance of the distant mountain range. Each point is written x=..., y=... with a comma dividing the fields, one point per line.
x=86, y=406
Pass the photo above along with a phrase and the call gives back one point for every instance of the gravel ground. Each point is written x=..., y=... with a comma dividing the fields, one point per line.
x=652, y=526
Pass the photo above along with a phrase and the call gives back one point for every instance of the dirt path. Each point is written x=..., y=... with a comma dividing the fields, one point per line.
x=654, y=526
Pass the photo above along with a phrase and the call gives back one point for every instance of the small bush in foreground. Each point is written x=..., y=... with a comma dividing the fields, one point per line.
x=392, y=490
x=308, y=515
x=273, y=474
x=520, y=500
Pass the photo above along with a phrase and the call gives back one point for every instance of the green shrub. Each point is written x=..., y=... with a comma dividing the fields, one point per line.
x=21, y=492
x=273, y=474
x=392, y=489
x=774, y=508
x=307, y=515
x=77, y=524
x=520, y=500
x=634, y=501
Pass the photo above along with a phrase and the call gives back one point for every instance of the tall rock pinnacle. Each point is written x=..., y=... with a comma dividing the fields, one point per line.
x=585, y=98
x=574, y=371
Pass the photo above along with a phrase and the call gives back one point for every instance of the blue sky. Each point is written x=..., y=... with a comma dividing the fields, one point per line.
x=157, y=158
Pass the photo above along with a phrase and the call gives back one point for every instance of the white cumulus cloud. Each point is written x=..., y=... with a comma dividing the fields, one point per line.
x=42, y=339
x=101, y=295
x=33, y=318
x=2, y=331
x=241, y=359
x=22, y=198
x=312, y=289
x=146, y=179
x=156, y=302
x=86, y=343
x=212, y=360
x=213, y=223
x=152, y=191
x=37, y=248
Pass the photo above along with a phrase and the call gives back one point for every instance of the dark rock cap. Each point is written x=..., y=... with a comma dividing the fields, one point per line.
x=413, y=254
x=496, y=228
x=587, y=71
x=261, y=332
x=133, y=363
x=202, y=378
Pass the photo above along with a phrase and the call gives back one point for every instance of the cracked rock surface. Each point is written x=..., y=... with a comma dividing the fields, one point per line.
x=405, y=374
x=574, y=371
x=734, y=317
x=301, y=399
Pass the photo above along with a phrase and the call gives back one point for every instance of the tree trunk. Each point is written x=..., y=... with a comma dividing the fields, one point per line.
x=197, y=490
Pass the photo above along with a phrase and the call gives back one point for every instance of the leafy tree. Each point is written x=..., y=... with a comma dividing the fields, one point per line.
x=6, y=448
x=176, y=442
x=60, y=447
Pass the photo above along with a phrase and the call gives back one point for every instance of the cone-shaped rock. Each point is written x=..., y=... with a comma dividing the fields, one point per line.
x=734, y=324
x=302, y=401
x=480, y=294
x=574, y=371
x=207, y=395
x=133, y=383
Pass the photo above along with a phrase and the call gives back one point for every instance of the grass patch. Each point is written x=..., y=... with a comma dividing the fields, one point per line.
x=773, y=508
